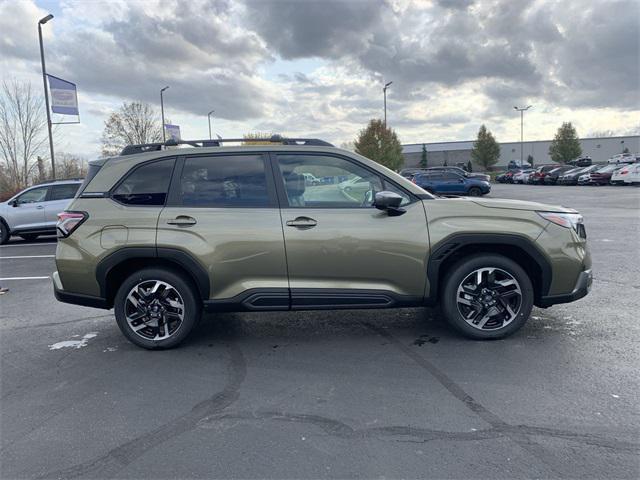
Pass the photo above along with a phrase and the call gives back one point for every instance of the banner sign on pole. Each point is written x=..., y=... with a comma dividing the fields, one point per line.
x=64, y=98
x=173, y=131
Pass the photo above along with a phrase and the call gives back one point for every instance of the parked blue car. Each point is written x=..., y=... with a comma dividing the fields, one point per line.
x=451, y=183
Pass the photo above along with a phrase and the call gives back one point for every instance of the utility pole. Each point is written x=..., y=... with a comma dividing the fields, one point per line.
x=522, y=110
x=164, y=139
x=384, y=90
x=41, y=22
x=209, y=117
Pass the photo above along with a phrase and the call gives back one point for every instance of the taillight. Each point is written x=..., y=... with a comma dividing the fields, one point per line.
x=69, y=221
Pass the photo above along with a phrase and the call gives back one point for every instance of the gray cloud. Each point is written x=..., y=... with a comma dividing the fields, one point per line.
x=564, y=52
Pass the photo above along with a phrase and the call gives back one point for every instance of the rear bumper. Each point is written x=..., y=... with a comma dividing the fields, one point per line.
x=76, y=298
x=582, y=288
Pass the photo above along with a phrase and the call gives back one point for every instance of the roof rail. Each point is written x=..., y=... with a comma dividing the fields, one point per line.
x=152, y=147
x=74, y=179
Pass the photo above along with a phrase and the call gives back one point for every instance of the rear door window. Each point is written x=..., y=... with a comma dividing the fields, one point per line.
x=63, y=192
x=146, y=185
x=224, y=181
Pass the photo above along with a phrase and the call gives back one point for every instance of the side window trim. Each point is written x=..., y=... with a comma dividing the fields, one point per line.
x=174, y=199
x=283, y=199
x=131, y=171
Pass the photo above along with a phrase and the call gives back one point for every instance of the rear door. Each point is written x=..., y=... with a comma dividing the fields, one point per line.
x=28, y=214
x=59, y=197
x=223, y=211
x=342, y=251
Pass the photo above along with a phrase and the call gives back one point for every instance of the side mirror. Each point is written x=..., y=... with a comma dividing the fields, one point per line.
x=390, y=202
x=14, y=202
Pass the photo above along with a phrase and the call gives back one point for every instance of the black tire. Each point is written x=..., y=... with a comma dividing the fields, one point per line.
x=29, y=237
x=4, y=233
x=192, y=307
x=461, y=271
x=474, y=192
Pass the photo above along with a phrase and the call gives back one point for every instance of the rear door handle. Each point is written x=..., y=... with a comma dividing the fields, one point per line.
x=302, y=223
x=182, y=221
x=40, y=207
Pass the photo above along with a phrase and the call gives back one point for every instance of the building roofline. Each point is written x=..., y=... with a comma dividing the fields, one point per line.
x=516, y=142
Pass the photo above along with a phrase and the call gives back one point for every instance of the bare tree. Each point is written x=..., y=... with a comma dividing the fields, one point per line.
x=23, y=133
x=133, y=123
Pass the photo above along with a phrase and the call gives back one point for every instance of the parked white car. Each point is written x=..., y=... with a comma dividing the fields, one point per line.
x=523, y=176
x=622, y=158
x=633, y=177
x=618, y=177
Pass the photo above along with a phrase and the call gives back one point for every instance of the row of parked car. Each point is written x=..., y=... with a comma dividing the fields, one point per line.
x=596, y=174
x=449, y=180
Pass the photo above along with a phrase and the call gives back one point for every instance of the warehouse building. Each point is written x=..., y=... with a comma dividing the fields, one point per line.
x=451, y=153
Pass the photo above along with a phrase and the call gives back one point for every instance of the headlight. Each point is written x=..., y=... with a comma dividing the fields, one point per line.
x=566, y=220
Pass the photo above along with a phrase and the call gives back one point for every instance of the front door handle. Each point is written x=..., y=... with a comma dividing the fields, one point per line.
x=182, y=221
x=302, y=223
x=39, y=207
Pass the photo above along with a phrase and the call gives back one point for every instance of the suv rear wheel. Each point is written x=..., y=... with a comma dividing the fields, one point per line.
x=156, y=308
x=487, y=296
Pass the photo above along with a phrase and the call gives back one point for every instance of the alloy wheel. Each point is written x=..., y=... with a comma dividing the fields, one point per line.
x=154, y=310
x=489, y=298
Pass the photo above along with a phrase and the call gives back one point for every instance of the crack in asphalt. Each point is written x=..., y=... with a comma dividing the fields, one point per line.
x=519, y=435
x=108, y=465
x=55, y=324
x=340, y=429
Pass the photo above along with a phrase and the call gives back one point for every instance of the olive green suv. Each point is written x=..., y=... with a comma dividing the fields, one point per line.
x=162, y=233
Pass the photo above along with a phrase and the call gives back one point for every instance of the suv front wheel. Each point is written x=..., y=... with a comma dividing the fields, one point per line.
x=487, y=296
x=156, y=308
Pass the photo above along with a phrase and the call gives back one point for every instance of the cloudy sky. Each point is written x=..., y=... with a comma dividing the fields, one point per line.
x=316, y=69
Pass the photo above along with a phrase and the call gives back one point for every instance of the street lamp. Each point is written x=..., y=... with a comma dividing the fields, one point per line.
x=384, y=90
x=522, y=110
x=209, y=117
x=41, y=22
x=162, y=111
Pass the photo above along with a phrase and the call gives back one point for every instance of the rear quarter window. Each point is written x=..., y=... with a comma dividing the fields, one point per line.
x=146, y=185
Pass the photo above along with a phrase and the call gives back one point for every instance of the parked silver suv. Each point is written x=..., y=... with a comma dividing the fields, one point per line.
x=34, y=211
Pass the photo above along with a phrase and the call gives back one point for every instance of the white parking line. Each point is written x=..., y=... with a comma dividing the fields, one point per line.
x=29, y=256
x=23, y=278
x=27, y=245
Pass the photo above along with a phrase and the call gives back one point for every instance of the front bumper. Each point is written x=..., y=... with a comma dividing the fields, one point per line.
x=76, y=298
x=582, y=288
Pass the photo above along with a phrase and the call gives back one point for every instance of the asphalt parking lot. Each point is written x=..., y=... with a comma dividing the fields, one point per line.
x=348, y=394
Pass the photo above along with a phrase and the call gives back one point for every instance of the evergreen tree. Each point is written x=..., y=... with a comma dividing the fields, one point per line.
x=423, y=158
x=565, y=145
x=380, y=144
x=486, y=150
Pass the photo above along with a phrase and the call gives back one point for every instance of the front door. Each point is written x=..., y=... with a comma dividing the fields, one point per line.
x=28, y=213
x=342, y=251
x=222, y=210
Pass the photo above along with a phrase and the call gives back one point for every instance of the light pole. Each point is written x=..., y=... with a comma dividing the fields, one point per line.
x=384, y=90
x=164, y=139
x=41, y=22
x=209, y=117
x=522, y=110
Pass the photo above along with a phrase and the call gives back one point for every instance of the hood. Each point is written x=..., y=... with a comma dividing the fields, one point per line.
x=520, y=205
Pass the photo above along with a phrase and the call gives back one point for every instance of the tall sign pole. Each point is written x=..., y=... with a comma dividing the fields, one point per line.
x=164, y=139
x=209, y=117
x=384, y=91
x=41, y=22
x=522, y=110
